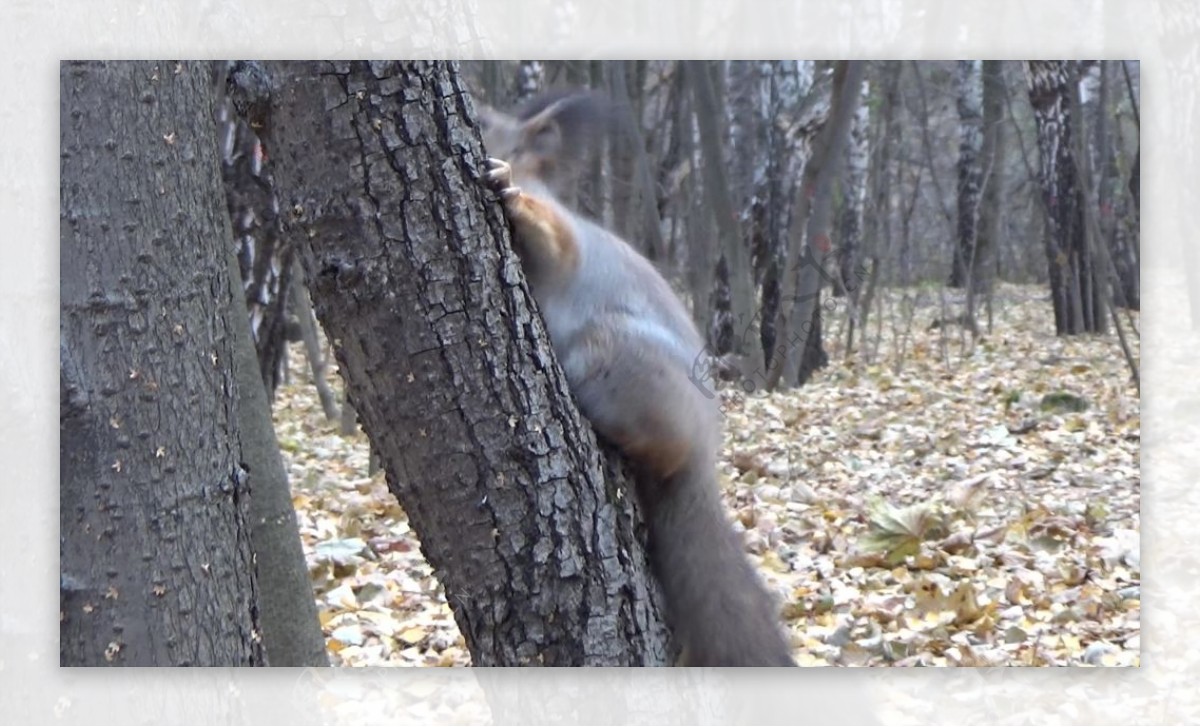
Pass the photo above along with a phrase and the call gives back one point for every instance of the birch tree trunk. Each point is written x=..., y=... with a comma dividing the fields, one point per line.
x=1075, y=285
x=854, y=197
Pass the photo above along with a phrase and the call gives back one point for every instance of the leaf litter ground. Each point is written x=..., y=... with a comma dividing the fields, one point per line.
x=930, y=502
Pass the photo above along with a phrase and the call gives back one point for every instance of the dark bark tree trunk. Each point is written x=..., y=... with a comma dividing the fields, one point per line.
x=633, y=191
x=291, y=631
x=302, y=307
x=264, y=257
x=450, y=370
x=1075, y=286
x=881, y=175
x=742, y=308
x=156, y=565
x=590, y=195
x=622, y=149
x=969, y=100
x=690, y=207
x=809, y=238
x=992, y=162
x=287, y=609
x=1116, y=236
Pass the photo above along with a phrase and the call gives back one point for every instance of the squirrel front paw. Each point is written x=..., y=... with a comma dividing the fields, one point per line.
x=499, y=178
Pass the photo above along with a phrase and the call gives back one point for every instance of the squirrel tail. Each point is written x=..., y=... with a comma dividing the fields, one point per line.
x=721, y=612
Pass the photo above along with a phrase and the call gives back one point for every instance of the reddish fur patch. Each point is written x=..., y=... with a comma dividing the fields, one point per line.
x=541, y=226
x=661, y=458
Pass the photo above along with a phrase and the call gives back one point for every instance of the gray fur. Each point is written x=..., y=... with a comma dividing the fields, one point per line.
x=627, y=346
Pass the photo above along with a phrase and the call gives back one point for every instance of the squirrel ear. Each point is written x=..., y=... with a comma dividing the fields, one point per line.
x=542, y=134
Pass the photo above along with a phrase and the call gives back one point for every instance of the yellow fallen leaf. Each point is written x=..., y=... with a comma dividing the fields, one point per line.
x=413, y=635
x=772, y=560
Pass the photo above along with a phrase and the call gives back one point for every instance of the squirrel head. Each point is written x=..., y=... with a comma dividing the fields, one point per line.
x=549, y=138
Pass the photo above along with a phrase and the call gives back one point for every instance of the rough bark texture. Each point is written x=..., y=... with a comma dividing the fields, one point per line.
x=969, y=99
x=156, y=565
x=809, y=238
x=450, y=370
x=1074, y=285
x=291, y=631
x=264, y=257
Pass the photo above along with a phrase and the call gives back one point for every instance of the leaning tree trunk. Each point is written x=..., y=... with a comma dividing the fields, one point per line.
x=969, y=98
x=156, y=566
x=1075, y=285
x=809, y=238
x=450, y=371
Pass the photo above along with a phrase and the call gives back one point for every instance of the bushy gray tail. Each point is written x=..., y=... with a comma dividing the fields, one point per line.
x=719, y=609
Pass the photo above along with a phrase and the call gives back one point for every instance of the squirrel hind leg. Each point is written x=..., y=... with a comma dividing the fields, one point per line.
x=642, y=401
x=641, y=398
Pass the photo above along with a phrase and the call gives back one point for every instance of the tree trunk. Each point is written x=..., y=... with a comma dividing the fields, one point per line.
x=291, y=631
x=156, y=565
x=879, y=221
x=621, y=157
x=809, y=238
x=451, y=372
x=969, y=99
x=992, y=162
x=741, y=300
x=1116, y=236
x=744, y=89
x=1075, y=286
x=244, y=122
x=639, y=223
x=791, y=89
x=317, y=364
x=854, y=197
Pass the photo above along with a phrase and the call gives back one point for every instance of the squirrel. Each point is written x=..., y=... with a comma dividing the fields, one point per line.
x=627, y=346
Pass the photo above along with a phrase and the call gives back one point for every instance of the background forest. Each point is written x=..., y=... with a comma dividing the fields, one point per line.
x=921, y=279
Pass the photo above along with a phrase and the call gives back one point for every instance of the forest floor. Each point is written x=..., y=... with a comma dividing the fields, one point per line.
x=928, y=501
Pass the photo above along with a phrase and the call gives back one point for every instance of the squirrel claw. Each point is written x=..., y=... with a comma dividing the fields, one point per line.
x=499, y=178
